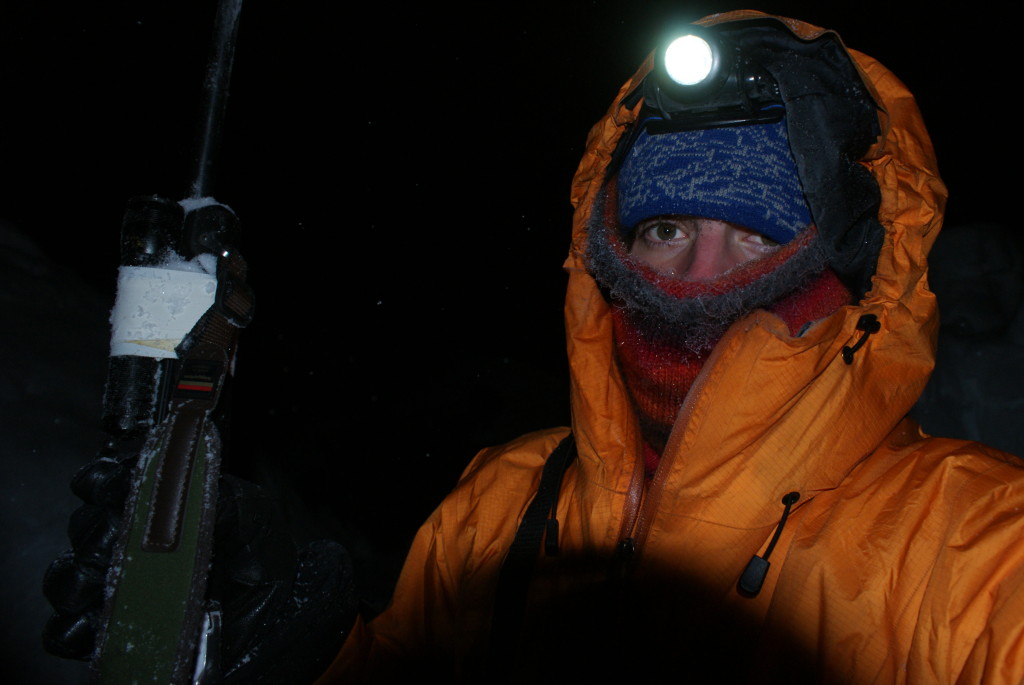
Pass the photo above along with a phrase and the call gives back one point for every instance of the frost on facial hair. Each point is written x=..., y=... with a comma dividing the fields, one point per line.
x=695, y=322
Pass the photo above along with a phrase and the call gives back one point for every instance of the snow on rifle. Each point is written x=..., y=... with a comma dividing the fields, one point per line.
x=181, y=300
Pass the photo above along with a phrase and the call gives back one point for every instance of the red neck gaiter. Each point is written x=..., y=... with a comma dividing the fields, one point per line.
x=666, y=327
x=660, y=368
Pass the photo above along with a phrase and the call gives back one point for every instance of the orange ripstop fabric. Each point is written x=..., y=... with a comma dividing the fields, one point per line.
x=902, y=561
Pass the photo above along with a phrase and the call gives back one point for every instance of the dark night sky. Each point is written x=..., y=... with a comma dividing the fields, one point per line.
x=339, y=125
x=402, y=180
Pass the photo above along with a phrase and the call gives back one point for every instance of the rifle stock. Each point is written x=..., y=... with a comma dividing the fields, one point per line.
x=166, y=382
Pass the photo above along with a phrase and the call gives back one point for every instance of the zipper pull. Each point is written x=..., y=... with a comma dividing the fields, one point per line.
x=757, y=570
x=624, y=554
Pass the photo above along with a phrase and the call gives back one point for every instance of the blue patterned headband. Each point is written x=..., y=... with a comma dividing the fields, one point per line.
x=743, y=174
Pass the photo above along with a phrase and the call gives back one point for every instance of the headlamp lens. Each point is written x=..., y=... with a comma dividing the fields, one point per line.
x=688, y=60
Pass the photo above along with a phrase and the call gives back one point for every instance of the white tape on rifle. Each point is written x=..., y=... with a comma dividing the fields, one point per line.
x=156, y=308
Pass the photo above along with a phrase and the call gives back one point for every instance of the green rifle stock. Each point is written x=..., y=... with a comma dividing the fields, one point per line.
x=157, y=620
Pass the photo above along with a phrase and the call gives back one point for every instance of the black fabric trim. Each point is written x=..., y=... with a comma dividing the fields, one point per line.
x=517, y=570
x=832, y=122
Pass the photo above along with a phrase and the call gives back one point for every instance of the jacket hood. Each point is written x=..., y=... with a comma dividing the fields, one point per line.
x=778, y=412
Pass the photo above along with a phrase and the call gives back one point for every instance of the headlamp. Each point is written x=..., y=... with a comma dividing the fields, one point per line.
x=704, y=79
x=689, y=60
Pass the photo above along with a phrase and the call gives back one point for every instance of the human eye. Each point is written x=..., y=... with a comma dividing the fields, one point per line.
x=758, y=243
x=661, y=231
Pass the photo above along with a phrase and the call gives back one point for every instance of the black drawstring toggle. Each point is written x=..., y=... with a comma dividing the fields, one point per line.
x=867, y=323
x=757, y=570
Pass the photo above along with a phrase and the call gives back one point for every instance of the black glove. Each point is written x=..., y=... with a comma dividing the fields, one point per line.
x=75, y=581
x=284, y=611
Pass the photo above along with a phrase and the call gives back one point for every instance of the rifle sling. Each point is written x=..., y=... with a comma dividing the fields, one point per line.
x=538, y=523
x=205, y=354
x=155, y=611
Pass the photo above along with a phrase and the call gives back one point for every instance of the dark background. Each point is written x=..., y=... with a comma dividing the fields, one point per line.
x=402, y=175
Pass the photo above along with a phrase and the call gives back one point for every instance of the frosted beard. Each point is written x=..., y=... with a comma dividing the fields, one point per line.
x=666, y=327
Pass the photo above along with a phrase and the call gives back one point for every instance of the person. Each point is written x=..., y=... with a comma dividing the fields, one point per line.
x=740, y=496
x=748, y=324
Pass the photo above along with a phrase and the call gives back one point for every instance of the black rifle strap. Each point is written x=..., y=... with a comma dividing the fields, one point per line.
x=538, y=524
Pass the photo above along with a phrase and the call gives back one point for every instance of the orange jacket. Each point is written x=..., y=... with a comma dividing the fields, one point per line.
x=902, y=561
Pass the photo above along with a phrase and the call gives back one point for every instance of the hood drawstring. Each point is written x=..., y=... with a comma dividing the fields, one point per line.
x=757, y=570
x=867, y=323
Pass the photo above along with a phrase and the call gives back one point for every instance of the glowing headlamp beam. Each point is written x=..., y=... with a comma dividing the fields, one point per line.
x=688, y=60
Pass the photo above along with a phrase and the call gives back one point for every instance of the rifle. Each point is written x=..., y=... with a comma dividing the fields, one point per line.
x=181, y=301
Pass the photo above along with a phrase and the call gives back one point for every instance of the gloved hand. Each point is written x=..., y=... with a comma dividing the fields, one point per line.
x=75, y=581
x=285, y=611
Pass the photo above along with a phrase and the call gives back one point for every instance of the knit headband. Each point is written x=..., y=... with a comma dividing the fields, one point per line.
x=745, y=175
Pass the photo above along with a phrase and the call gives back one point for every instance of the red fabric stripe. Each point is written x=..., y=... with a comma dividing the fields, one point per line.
x=186, y=386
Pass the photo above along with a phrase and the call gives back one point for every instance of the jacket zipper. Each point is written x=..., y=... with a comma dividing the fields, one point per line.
x=642, y=499
x=625, y=549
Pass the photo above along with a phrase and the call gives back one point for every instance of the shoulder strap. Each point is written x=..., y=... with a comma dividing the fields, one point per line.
x=538, y=523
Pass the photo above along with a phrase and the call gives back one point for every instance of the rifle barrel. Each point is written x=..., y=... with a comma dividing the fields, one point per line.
x=215, y=93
